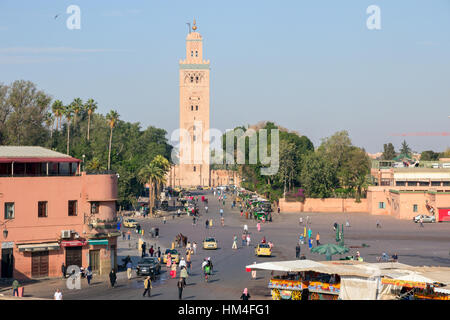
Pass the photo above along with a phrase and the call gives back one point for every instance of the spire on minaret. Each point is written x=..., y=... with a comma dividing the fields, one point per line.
x=194, y=27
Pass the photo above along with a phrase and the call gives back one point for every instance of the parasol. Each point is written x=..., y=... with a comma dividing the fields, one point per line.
x=330, y=250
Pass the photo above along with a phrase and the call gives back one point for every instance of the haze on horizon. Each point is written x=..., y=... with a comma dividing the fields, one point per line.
x=309, y=66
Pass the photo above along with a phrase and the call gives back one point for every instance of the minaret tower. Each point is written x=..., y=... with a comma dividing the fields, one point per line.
x=194, y=114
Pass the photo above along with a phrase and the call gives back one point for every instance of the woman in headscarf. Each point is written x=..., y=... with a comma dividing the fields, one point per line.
x=245, y=295
x=169, y=261
x=112, y=278
x=173, y=270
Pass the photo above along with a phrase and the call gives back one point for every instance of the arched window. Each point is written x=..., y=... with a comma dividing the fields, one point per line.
x=192, y=53
x=196, y=108
x=196, y=79
x=192, y=79
x=196, y=53
x=195, y=169
x=192, y=108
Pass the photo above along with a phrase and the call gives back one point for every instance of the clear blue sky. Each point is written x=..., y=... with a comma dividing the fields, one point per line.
x=310, y=66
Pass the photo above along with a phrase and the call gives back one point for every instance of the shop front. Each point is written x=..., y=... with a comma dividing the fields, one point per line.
x=74, y=252
x=39, y=255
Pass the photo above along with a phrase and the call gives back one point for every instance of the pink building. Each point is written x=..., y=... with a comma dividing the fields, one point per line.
x=52, y=213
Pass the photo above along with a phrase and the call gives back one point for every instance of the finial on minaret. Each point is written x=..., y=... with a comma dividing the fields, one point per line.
x=194, y=27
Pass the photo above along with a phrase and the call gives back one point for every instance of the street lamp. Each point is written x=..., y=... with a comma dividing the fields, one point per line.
x=5, y=233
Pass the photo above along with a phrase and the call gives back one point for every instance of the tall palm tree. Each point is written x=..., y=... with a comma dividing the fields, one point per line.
x=112, y=118
x=150, y=174
x=68, y=113
x=77, y=104
x=164, y=165
x=49, y=121
x=91, y=105
x=57, y=109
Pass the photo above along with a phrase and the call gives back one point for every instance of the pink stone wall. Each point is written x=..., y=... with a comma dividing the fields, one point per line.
x=324, y=205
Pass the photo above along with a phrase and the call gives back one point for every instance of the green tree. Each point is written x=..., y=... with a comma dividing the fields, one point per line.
x=58, y=111
x=429, y=155
x=68, y=113
x=353, y=172
x=151, y=174
x=112, y=117
x=335, y=147
x=388, y=152
x=77, y=107
x=91, y=106
x=318, y=176
x=405, y=149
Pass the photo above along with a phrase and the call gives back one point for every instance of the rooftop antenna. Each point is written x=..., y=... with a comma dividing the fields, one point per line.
x=189, y=25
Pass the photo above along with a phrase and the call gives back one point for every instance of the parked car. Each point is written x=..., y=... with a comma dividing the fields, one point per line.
x=425, y=218
x=148, y=266
x=263, y=250
x=210, y=243
x=130, y=223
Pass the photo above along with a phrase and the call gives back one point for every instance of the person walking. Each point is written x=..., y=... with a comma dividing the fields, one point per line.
x=112, y=278
x=210, y=223
x=173, y=270
x=63, y=270
x=182, y=263
x=158, y=253
x=234, y=246
x=129, y=269
x=243, y=239
x=310, y=243
x=123, y=235
x=15, y=286
x=143, y=247
x=180, y=284
x=297, y=251
x=318, y=239
x=151, y=251
x=245, y=295
x=57, y=295
x=206, y=223
x=164, y=220
x=206, y=209
x=183, y=274
x=129, y=235
x=309, y=233
x=188, y=263
x=222, y=221
x=194, y=246
x=248, y=240
x=258, y=226
x=421, y=222
x=245, y=228
x=169, y=261
x=378, y=224
x=221, y=212
x=147, y=286
x=89, y=275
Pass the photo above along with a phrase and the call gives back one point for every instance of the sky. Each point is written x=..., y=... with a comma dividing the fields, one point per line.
x=310, y=66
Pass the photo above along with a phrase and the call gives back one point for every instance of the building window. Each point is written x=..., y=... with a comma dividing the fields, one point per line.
x=195, y=169
x=400, y=183
x=196, y=79
x=414, y=207
x=435, y=183
x=9, y=210
x=381, y=205
x=192, y=79
x=196, y=108
x=192, y=108
x=42, y=209
x=192, y=53
x=196, y=53
x=95, y=207
x=194, y=137
x=446, y=183
x=73, y=208
x=424, y=184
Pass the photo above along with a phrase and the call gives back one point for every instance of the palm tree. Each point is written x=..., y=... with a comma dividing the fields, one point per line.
x=77, y=104
x=151, y=174
x=57, y=109
x=112, y=118
x=68, y=113
x=49, y=121
x=91, y=105
x=164, y=165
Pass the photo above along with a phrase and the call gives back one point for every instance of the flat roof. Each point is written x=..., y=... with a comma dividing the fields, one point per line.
x=33, y=154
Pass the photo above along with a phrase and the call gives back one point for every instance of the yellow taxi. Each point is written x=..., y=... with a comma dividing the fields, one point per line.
x=173, y=254
x=129, y=223
x=263, y=250
x=209, y=243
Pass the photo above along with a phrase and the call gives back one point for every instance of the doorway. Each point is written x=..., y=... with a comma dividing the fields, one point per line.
x=7, y=263
x=74, y=256
x=39, y=264
x=94, y=260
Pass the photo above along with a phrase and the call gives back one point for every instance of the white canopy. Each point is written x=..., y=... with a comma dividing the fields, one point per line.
x=287, y=266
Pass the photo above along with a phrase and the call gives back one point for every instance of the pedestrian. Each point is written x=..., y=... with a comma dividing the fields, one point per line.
x=245, y=228
x=421, y=222
x=178, y=213
x=151, y=251
x=123, y=235
x=378, y=224
x=173, y=271
x=302, y=239
x=248, y=240
x=310, y=243
x=89, y=275
x=158, y=252
x=63, y=270
x=15, y=286
x=309, y=233
x=143, y=247
x=169, y=261
x=112, y=278
x=221, y=212
x=188, y=263
x=347, y=223
x=297, y=251
x=193, y=221
x=180, y=285
x=222, y=221
x=245, y=295
x=210, y=223
x=318, y=239
x=254, y=272
x=206, y=223
x=147, y=286
x=129, y=234
x=243, y=239
x=182, y=263
x=164, y=220
x=234, y=246
x=194, y=246
x=129, y=269
x=258, y=226
x=300, y=220
x=183, y=274
x=57, y=295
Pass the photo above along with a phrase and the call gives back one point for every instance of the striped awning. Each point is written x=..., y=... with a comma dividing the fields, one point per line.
x=38, y=247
